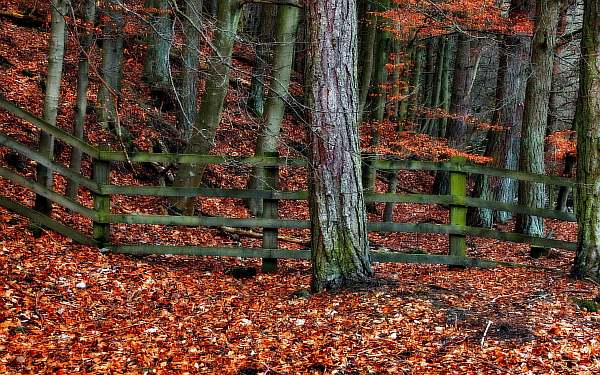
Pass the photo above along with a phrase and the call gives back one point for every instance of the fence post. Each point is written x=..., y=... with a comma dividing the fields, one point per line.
x=270, y=211
x=101, y=175
x=458, y=213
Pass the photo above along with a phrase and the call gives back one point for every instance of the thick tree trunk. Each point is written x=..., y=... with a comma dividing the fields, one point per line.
x=188, y=113
x=211, y=107
x=56, y=53
x=157, y=70
x=459, y=106
x=112, y=58
x=285, y=38
x=340, y=251
x=88, y=15
x=587, y=260
x=256, y=96
x=535, y=116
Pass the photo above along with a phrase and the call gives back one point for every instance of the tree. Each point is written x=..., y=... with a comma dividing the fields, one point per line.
x=112, y=58
x=283, y=56
x=459, y=105
x=188, y=91
x=157, y=70
x=587, y=120
x=56, y=53
x=535, y=115
x=211, y=106
x=377, y=93
x=340, y=251
x=88, y=14
x=266, y=27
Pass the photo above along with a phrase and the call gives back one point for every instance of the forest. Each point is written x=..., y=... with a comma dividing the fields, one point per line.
x=300, y=186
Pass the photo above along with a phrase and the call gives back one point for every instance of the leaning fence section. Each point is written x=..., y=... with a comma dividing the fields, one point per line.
x=103, y=217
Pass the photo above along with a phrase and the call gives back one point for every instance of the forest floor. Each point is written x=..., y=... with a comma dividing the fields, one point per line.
x=67, y=308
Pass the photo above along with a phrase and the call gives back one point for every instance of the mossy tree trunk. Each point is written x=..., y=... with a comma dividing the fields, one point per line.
x=285, y=39
x=587, y=260
x=88, y=16
x=211, y=106
x=56, y=53
x=535, y=115
x=340, y=250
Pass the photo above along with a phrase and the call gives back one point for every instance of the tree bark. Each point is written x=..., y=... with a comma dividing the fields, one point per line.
x=256, y=96
x=88, y=15
x=459, y=106
x=112, y=58
x=503, y=145
x=211, y=107
x=56, y=53
x=188, y=92
x=285, y=38
x=157, y=70
x=368, y=27
x=416, y=84
x=535, y=115
x=340, y=251
x=378, y=95
x=587, y=203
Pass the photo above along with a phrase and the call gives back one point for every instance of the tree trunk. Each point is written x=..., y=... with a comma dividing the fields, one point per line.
x=88, y=15
x=285, y=38
x=445, y=88
x=377, y=95
x=256, y=96
x=587, y=203
x=112, y=57
x=56, y=53
x=211, y=107
x=416, y=84
x=459, y=107
x=535, y=115
x=340, y=250
x=404, y=84
x=157, y=72
x=503, y=146
x=430, y=58
x=368, y=27
x=187, y=114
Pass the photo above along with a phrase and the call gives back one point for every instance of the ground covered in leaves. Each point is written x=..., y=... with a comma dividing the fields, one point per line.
x=66, y=308
x=69, y=308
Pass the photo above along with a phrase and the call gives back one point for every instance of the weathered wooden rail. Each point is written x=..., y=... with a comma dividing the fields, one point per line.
x=102, y=190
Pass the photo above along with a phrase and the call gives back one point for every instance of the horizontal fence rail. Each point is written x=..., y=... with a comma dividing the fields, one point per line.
x=102, y=190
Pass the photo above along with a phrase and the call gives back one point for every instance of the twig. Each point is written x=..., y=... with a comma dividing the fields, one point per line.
x=489, y=323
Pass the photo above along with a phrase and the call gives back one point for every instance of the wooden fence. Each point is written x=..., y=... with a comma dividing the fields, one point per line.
x=102, y=190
